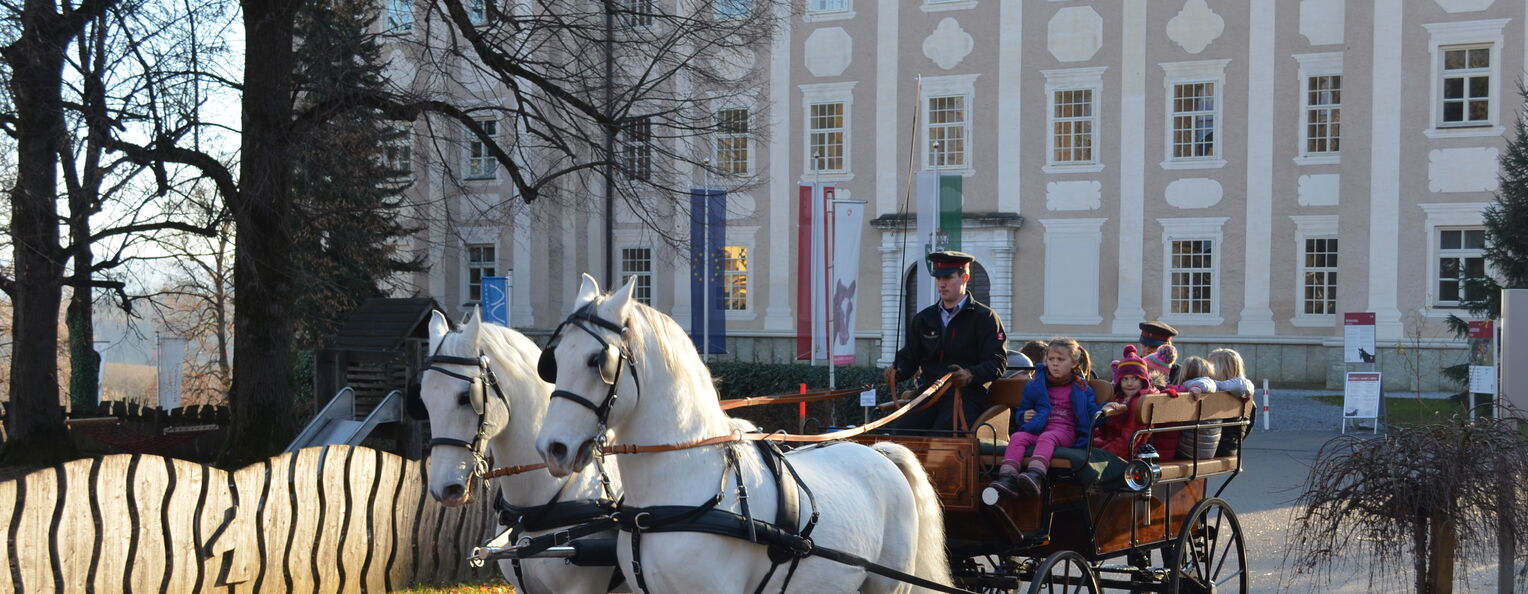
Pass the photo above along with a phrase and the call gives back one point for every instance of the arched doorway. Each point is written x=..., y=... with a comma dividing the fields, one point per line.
x=979, y=287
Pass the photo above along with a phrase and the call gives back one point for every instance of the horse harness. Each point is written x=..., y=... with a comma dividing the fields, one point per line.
x=785, y=541
x=577, y=519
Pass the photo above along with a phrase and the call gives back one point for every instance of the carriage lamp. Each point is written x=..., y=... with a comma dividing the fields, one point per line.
x=1142, y=472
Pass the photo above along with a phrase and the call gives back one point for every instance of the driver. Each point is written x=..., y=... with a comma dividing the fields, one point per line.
x=957, y=335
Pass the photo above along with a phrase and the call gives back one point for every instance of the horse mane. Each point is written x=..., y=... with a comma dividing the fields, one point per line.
x=518, y=353
x=662, y=341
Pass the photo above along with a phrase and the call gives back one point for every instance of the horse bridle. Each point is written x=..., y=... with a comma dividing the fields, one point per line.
x=613, y=359
x=477, y=398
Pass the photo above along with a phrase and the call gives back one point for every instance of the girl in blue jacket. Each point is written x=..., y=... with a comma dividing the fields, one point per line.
x=1056, y=411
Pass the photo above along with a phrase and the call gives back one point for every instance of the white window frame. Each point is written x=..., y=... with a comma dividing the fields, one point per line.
x=932, y=87
x=1072, y=79
x=1312, y=66
x=645, y=278
x=471, y=237
x=630, y=20
x=817, y=94
x=1193, y=229
x=723, y=134
x=480, y=164
x=1311, y=227
x=636, y=153
x=1443, y=216
x=1195, y=72
x=828, y=10
x=400, y=17
x=1456, y=35
x=398, y=154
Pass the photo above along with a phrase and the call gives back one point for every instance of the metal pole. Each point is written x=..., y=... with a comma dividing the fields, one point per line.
x=706, y=265
x=609, y=48
x=827, y=266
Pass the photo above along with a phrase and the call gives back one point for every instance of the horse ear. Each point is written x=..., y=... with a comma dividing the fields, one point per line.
x=587, y=291
x=474, y=323
x=439, y=326
x=621, y=300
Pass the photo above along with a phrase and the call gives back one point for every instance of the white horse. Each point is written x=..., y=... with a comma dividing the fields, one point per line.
x=509, y=424
x=874, y=502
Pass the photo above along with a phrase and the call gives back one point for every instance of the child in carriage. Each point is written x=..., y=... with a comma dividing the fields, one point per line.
x=1056, y=411
x=1221, y=372
x=1131, y=382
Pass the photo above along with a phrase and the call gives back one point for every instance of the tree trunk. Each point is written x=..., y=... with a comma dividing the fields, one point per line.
x=84, y=361
x=1440, y=570
x=261, y=400
x=1506, y=539
x=36, y=432
x=1420, y=550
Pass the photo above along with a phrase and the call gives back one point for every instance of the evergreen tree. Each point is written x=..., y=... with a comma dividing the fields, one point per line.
x=346, y=186
x=1506, y=250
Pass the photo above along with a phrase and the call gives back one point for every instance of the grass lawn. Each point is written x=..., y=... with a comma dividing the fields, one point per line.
x=1409, y=411
x=489, y=586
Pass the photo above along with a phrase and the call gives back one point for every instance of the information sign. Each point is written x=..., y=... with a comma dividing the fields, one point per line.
x=1360, y=395
x=1358, y=337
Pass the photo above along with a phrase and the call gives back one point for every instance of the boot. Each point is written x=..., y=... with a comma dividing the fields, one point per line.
x=1028, y=482
x=1007, y=482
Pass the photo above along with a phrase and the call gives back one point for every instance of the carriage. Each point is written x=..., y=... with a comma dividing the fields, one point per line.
x=1141, y=526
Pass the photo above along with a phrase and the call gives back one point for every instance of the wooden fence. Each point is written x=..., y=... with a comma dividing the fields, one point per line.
x=332, y=519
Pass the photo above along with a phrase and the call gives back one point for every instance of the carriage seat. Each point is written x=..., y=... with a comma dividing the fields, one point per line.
x=1005, y=396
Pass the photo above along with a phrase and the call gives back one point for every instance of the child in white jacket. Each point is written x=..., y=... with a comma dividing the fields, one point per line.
x=1226, y=376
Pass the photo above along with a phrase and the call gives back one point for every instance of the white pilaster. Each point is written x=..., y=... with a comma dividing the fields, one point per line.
x=891, y=280
x=521, y=314
x=1132, y=196
x=1256, y=316
x=777, y=316
x=886, y=195
x=1385, y=170
x=1009, y=140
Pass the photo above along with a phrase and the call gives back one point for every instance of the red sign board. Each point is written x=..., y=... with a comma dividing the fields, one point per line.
x=1363, y=318
x=1481, y=330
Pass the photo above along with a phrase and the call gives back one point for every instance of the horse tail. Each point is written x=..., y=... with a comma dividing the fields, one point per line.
x=931, y=561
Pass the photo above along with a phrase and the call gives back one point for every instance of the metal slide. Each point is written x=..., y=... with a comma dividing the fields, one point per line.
x=337, y=424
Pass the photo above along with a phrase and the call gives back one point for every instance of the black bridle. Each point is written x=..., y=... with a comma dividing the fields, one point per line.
x=477, y=398
x=613, y=359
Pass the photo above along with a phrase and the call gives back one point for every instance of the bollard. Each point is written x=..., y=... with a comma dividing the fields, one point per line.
x=1265, y=404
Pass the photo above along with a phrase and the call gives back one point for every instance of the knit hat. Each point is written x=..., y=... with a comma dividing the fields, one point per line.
x=1162, y=360
x=1131, y=365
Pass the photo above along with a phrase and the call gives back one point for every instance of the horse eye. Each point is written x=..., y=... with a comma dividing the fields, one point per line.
x=462, y=398
x=594, y=360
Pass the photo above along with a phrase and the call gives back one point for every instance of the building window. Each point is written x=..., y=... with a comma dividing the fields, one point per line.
x=731, y=9
x=828, y=5
x=1195, y=110
x=1318, y=274
x=1461, y=258
x=1191, y=274
x=637, y=263
x=398, y=152
x=947, y=132
x=480, y=162
x=400, y=16
x=481, y=262
x=477, y=12
x=1323, y=114
x=825, y=138
x=1467, y=86
x=637, y=148
x=638, y=13
x=1072, y=126
x=734, y=278
x=732, y=138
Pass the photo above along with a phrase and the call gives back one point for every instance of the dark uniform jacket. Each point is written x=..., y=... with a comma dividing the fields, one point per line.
x=975, y=339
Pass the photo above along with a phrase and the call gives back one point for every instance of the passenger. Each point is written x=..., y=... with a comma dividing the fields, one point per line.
x=1170, y=443
x=1035, y=350
x=1130, y=384
x=1162, y=365
x=1154, y=336
x=1230, y=377
x=1057, y=411
x=1020, y=367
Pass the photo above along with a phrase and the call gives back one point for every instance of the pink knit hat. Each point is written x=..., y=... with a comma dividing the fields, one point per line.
x=1162, y=360
x=1131, y=365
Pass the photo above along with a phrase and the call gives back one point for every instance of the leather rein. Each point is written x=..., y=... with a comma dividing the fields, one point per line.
x=928, y=397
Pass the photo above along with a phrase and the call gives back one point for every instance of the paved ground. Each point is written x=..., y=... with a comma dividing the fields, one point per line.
x=1277, y=462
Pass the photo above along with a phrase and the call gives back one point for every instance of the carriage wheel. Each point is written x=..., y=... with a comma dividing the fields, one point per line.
x=1210, y=555
x=1064, y=572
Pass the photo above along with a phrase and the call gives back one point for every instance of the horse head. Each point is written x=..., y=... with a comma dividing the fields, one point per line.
x=466, y=386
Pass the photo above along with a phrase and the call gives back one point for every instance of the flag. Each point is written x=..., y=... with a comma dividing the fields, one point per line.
x=495, y=304
x=951, y=191
x=708, y=237
x=811, y=273
x=172, y=353
x=848, y=225
x=927, y=239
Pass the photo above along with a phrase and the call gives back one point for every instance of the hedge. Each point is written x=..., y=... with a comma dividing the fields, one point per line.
x=742, y=380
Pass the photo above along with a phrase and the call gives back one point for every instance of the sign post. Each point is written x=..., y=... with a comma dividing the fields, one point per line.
x=1361, y=356
x=1482, y=362
x=1361, y=397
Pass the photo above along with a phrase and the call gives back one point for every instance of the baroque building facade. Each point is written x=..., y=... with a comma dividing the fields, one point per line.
x=1246, y=170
